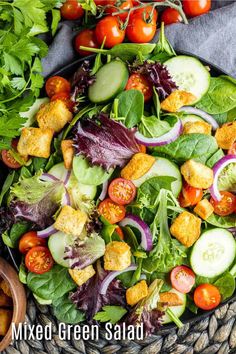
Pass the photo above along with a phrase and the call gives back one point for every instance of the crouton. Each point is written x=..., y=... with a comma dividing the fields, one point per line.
x=196, y=174
x=35, y=142
x=67, y=153
x=117, y=256
x=176, y=100
x=5, y=288
x=197, y=127
x=204, y=209
x=5, y=301
x=226, y=135
x=5, y=321
x=53, y=115
x=136, y=293
x=170, y=299
x=137, y=166
x=80, y=276
x=70, y=221
x=186, y=228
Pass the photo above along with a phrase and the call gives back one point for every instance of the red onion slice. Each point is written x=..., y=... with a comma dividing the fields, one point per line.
x=207, y=117
x=167, y=138
x=112, y=275
x=47, y=177
x=66, y=198
x=217, y=169
x=46, y=232
x=135, y=221
x=103, y=194
x=67, y=177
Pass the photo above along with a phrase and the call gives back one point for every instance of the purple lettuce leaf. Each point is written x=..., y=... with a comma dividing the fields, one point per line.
x=81, y=80
x=105, y=142
x=7, y=219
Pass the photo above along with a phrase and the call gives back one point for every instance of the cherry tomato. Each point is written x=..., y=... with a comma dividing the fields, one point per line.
x=29, y=240
x=194, y=8
x=189, y=195
x=115, y=6
x=9, y=160
x=146, y=12
x=232, y=150
x=39, y=260
x=207, y=296
x=110, y=28
x=111, y=211
x=139, y=82
x=72, y=10
x=139, y=30
x=119, y=231
x=182, y=279
x=142, y=148
x=56, y=84
x=86, y=38
x=170, y=16
x=226, y=205
x=122, y=191
x=65, y=97
x=101, y=2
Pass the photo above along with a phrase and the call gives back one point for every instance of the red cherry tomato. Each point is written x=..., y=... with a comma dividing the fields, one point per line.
x=30, y=240
x=139, y=30
x=122, y=191
x=232, y=150
x=146, y=12
x=111, y=211
x=119, y=231
x=101, y=2
x=190, y=196
x=86, y=38
x=207, y=296
x=9, y=160
x=72, y=10
x=39, y=260
x=182, y=279
x=139, y=82
x=110, y=28
x=56, y=84
x=194, y=8
x=115, y=6
x=170, y=16
x=65, y=97
x=226, y=206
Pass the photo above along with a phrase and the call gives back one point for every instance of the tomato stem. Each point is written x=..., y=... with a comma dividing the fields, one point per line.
x=94, y=50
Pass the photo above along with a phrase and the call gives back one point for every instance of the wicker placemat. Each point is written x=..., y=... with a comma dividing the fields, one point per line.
x=214, y=334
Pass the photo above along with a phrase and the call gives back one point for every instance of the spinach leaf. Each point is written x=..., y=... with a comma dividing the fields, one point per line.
x=111, y=314
x=130, y=238
x=191, y=305
x=163, y=50
x=6, y=186
x=153, y=127
x=130, y=106
x=51, y=285
x=129, y=51
x=215, y=158
x=65, y=311
x=203, y=280
x=199, y=147
x=157, y=103
x=108, y=233
x=17, y=231
x=221, y=96
x=222, y=221
x=226, y=285
x=39, y=163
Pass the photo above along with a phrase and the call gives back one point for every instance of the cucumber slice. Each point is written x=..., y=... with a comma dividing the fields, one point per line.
x=59, y=171
x=191, y=118
x=111, y=79
x=177, y=310
x=30, y=114
x=57, y=244
x=163, y=167
x=189, y=74
x=213, y=253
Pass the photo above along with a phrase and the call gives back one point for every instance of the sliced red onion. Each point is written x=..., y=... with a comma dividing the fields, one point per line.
x=103, y=194
x=198, y=112
x=167, y=138
x=67, y=177
x=66, y=198
x=46, y=232
x=135, y=221
x=47, y=177
x=217, y=169
x=112, y=275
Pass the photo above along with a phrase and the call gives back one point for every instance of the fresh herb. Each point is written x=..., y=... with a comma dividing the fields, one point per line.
x=130, y=107
x=111, y=314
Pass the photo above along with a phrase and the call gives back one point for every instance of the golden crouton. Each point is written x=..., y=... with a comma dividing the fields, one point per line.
x=186, y=228
x=204, y=209
x=5, y=288
x=5, y=301
x=53, y=115
x=67, y=153
x=81, y=276
x=170, y=299
x=197, y=127
x=35, y=142
x=196, y=174
x=117, y=256
x=137, y=166
x=70, y=221
x=5, y=321
x=136, y=293
x=176, y=100
x=226, y=135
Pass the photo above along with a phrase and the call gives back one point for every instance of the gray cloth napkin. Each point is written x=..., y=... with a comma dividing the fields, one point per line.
x=211, y=36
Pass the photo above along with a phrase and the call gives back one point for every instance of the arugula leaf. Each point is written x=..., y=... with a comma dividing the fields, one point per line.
x=111, y=314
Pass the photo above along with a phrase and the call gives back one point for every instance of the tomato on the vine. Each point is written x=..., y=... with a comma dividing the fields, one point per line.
x=140, y=30
x=39, y=260
x=111, y=211
x=147, y=13
x=86, y=38
x=194, y=8
x=122, y=191
x=56, y=84
x=30, y=240
x=227, y=204
x=65, y=97
x=207, y=296
x=182, y=279
x=118, y=5
x=72, y=10
x=111, y=28
x=170, y=16
x=141, y=83
x=189, y=195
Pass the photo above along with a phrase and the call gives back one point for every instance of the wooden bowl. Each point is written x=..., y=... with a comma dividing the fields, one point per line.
x=8, y=273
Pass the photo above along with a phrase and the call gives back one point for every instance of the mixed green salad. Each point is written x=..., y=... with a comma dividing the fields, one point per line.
x=121, y=189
